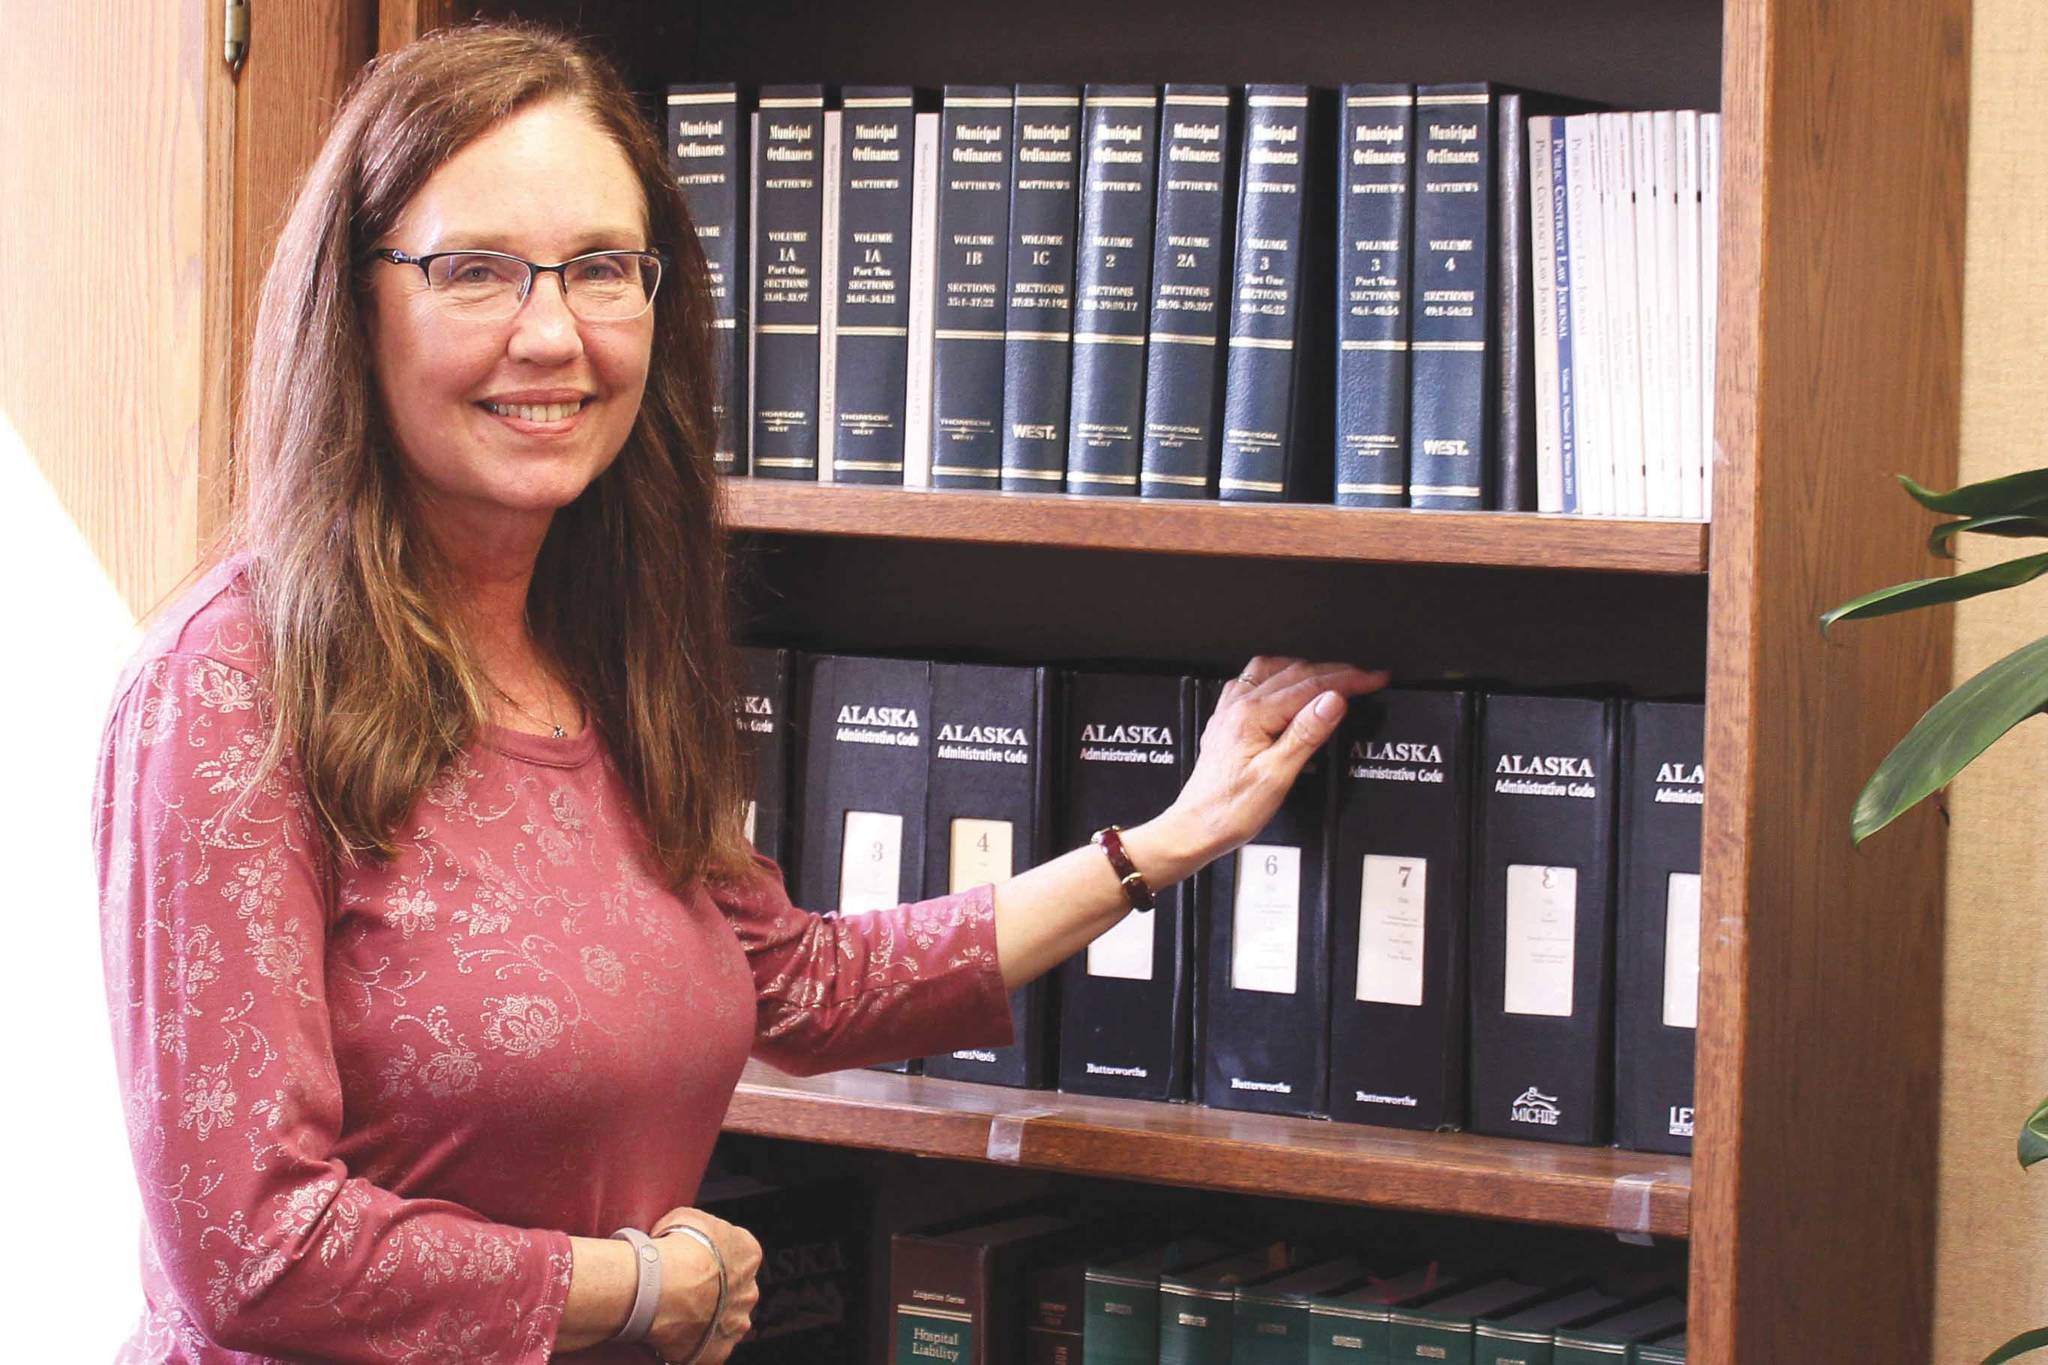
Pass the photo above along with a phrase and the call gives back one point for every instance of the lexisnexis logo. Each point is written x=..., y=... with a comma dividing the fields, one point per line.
x=1533, y=1106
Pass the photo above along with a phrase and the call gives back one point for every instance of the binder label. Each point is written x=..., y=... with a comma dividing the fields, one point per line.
x=1682, y=951
x=1391, y=918
x=870, y=861
x=1267, y=927
x=981, y=853
x=1125, y=951
x=1542, y=927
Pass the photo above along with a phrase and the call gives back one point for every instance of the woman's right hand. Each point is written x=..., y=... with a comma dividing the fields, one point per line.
x=689, y=1287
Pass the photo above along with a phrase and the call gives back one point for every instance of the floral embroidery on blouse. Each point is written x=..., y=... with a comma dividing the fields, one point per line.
x=369, y=1104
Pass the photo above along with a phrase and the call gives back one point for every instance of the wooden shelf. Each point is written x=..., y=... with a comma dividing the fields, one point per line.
x=1262, y=530
x=1184, y=1145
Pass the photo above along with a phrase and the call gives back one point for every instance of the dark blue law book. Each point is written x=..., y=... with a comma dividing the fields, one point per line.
x=789, y=202
x=763, y=703
x=1045, y=148
x=1375, y=193
x=1112, y=287
x=1451, y=336
x=968, y=297
x=1276, y=398
x=873, y=333
x=1191, y=244
x=988, y=816
x=707, y=155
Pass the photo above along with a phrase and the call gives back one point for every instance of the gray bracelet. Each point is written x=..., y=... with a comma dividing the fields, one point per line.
x=647, y=1293
x=718, y=1310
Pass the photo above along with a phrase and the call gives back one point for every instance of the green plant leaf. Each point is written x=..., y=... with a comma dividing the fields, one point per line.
x=1954, y=731
x=1928, y=592
x=2025, y=491
x=2019, y=526
x=2034, y=1136
x=2019, y=1346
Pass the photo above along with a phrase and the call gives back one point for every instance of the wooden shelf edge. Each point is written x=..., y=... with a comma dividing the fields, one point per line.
x=1449, y=1173
x=1244, y=530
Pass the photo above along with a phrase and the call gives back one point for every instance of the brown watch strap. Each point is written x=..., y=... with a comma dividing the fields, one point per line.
x=1136, y=889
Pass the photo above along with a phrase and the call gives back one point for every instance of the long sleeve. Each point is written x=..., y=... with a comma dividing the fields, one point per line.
x=214, y=922
x=838, y=991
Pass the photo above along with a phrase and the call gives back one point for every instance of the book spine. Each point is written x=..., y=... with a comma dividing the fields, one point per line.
x=1190, y=311
x=1542, y=941
x=1664, y=215
x=1375, y=205
x=1514, y=371
x=1125, y=747
x=1625, y=347
x=1710, y=296
x=1278, y=380
x=1691, y=439
x=765, y=738
x=1586, y=296
x=1112, y=288
x=877, y=158
x=1039, y=316
x=968, y=298
x=938, y=1303
x=1660, y=481
x=789, y=197
x=1266, y=1002
x=1657, y=926
x=1196, y=1326
x=1401, y=840
x=1453, y=333
x=1571, y=481
x=828, y=313
x=1543, y=228
x=1121, y=1326
x=924, y=222
x=707, y=155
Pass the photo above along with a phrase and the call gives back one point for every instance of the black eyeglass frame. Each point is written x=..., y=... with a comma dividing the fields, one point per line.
x=534, y=270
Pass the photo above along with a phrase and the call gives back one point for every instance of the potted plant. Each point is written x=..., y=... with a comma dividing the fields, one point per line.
x=1976, y=714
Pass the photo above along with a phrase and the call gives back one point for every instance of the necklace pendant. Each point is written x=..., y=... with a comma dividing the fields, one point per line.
x=560, y=733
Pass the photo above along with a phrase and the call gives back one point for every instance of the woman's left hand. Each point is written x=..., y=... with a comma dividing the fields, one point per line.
x=1269, y=720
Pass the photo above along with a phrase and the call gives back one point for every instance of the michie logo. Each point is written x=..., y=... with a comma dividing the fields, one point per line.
x=1533, y=1106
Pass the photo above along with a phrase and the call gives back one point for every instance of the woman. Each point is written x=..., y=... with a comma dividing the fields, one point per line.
x=433, y=944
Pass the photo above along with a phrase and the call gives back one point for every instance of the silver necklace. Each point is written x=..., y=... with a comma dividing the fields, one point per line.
x=555, y=730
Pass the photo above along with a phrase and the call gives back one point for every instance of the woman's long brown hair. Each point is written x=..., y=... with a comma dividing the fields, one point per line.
x=375, y=687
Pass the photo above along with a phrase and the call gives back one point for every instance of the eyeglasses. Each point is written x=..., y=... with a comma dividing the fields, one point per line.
x=490, y=286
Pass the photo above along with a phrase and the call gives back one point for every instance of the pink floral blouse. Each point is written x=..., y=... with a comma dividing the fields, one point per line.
x=369, y=1105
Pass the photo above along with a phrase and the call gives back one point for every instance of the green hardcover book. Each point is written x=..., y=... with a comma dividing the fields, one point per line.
x=1527, y=1336
x=1198, y=1305
x=1441, y=1329
x=1607, y=1340
x=1663, y=1351
x=1121, y=1325
x=1270, y=1325
x=1349, y=1326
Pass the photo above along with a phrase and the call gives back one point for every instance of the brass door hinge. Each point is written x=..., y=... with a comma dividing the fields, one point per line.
x=236, y=44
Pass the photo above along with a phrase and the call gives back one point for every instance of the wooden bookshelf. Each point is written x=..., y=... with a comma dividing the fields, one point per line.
x=1238, y=530
x=1216, y=1149
x=1808, y=1206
